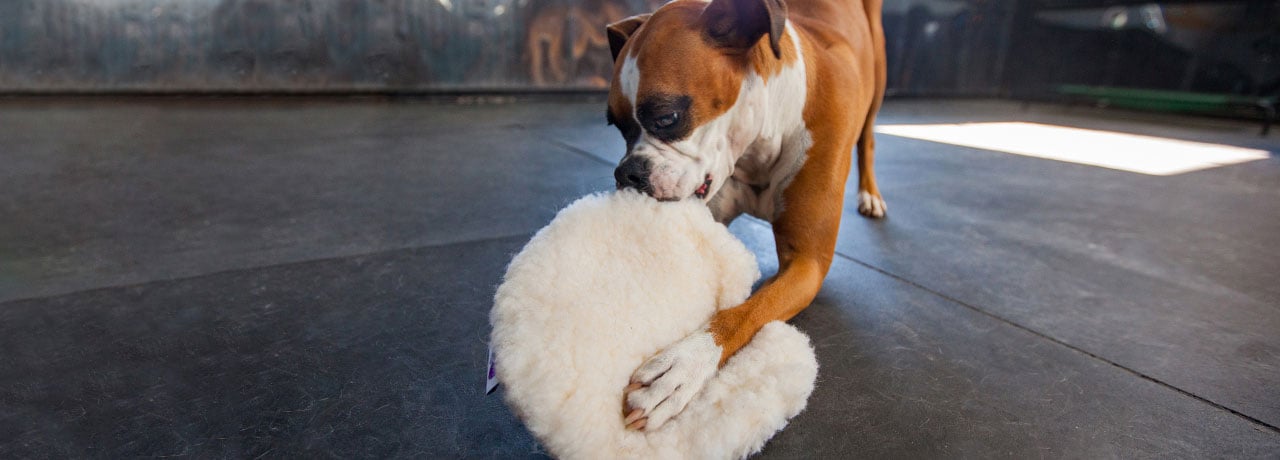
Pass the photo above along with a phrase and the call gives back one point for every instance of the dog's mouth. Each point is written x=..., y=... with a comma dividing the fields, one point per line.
x=701, y=192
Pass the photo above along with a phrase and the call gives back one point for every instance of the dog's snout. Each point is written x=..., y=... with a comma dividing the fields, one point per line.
x=633, y=173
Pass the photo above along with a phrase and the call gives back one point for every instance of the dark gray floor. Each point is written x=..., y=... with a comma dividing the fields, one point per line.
x=240, y=278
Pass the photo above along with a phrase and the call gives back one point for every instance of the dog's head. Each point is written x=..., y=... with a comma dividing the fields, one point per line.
x=676, y=74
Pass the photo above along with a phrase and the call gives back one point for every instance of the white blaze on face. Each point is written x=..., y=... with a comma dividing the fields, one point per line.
x=667, y=162
x=766, y=122
x=629, y=81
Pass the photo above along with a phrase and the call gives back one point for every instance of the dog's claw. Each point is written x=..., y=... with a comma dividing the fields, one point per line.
x=630, y=415
x=638, y=425
x=634, y=416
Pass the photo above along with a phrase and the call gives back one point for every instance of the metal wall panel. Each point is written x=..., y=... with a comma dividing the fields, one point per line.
x=936, y=46
x=304, y=45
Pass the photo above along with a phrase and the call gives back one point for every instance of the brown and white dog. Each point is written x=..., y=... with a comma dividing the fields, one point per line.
x=753, y=106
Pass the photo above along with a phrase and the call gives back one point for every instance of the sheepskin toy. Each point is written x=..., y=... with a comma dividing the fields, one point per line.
x=614, y=279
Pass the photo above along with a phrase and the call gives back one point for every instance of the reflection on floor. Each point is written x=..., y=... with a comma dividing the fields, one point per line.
x=246, y=278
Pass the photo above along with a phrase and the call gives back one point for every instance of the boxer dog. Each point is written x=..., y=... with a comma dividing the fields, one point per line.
x=752, y=106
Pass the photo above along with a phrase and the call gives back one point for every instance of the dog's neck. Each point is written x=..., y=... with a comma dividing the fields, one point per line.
x=769, y=114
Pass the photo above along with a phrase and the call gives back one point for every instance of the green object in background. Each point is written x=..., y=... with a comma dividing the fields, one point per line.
x=1173, y=101
x=1178, y=101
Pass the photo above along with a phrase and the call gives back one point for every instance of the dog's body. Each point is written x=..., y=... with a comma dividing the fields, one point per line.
x=753, y=106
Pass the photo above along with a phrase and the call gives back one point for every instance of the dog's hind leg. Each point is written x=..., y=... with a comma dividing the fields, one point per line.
x=870, y=202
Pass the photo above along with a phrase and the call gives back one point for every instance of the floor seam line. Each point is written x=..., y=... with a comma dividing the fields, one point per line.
x=570, y=147
x=1062, y=343
x=1052, y=339
x=257, y=267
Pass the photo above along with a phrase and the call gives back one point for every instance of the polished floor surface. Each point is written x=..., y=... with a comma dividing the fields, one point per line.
x=290, y=278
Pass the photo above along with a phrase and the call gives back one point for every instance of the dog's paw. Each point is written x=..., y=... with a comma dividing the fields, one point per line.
x=664, y=384
x=871, y=205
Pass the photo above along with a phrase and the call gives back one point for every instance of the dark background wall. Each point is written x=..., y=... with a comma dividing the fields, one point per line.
x=1228, y=47
x=1024, y=48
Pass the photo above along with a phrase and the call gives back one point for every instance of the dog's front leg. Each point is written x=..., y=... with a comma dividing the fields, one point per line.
x=805, y=233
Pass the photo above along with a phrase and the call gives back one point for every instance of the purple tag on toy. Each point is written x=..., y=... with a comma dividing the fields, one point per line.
x=491, y=380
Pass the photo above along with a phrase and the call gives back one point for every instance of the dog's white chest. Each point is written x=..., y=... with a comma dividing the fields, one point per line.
x=765, y=172
x=771, y=133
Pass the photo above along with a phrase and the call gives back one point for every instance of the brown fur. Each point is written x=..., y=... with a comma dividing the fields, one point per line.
x=843, y=49
x=844, y=53
x=715, y=79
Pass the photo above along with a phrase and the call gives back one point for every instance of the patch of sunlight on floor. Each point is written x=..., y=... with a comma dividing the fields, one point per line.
x=1126, y=152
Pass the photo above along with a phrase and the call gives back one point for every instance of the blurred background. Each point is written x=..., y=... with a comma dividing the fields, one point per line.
x=935, y=47
x=273, y=228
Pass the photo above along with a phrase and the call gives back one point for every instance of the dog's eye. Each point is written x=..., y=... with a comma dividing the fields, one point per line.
x=666, y=121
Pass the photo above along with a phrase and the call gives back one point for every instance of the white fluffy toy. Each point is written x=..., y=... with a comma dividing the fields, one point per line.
x=613, y=279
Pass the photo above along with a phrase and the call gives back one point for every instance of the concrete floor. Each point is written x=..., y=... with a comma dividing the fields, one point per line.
x=273, y=278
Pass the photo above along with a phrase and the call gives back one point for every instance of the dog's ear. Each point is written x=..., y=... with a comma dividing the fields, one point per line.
x=620, y=31
x=741, y=23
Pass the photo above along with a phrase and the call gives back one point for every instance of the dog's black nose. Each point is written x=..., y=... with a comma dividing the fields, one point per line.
x=634, y=173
